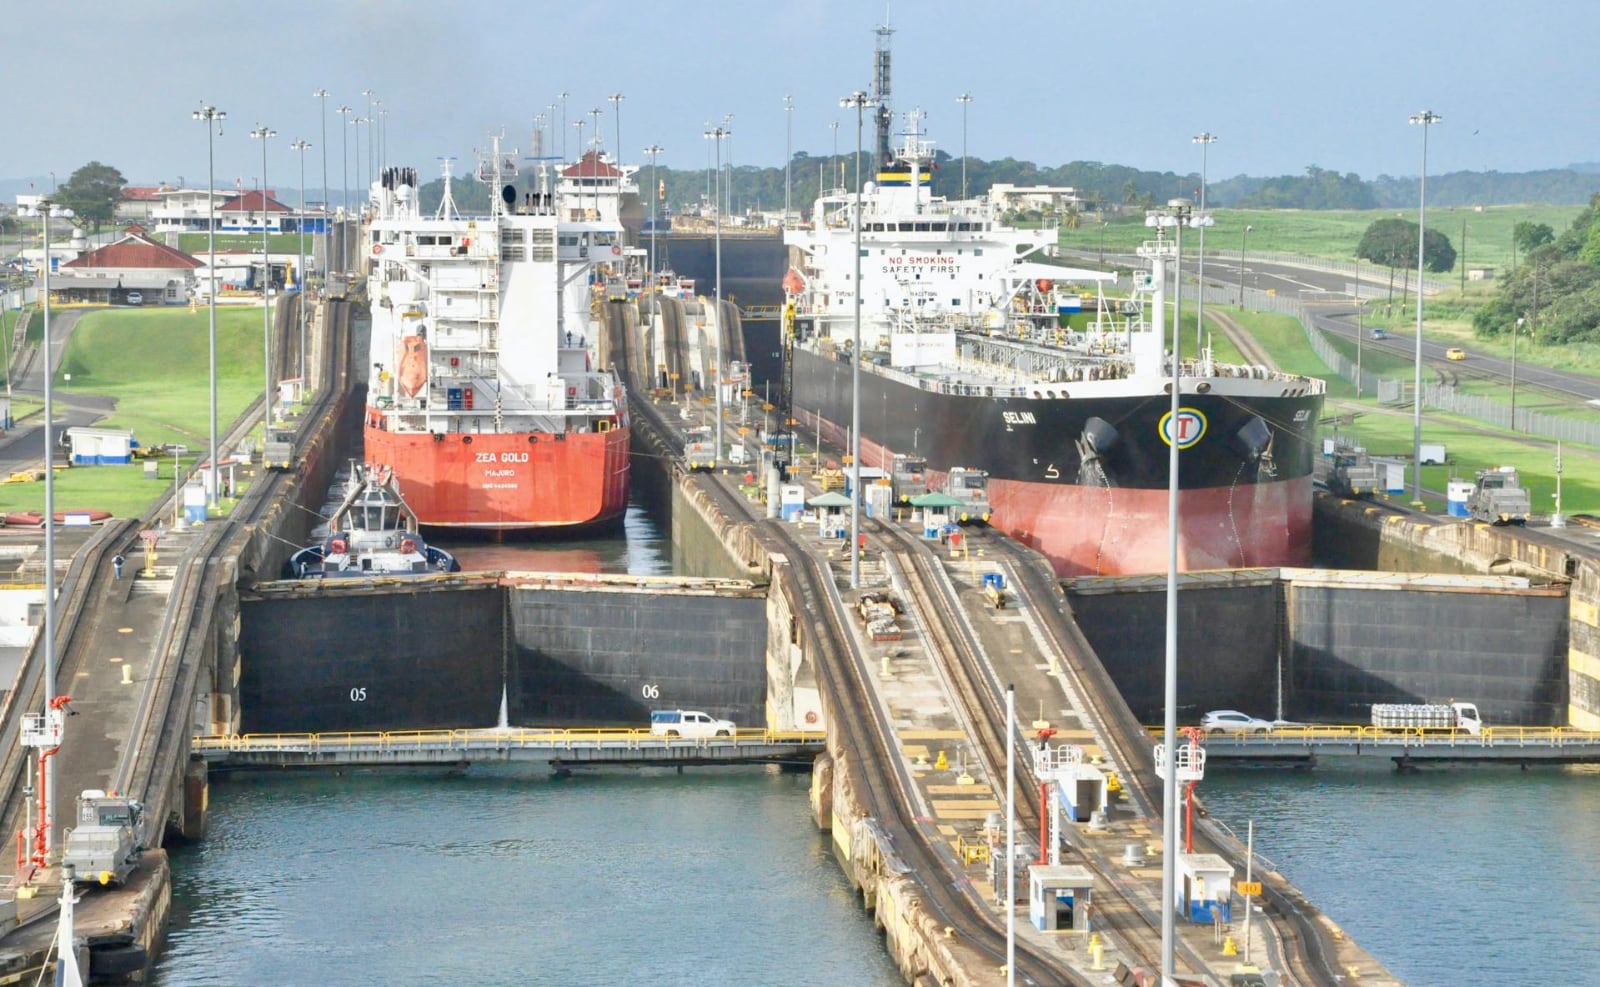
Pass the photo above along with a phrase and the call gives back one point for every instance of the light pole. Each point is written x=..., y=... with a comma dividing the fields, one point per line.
x=964, y=99
x=344, y=112
x=1243, y=236
x=361, y=188
x=727, y=187
x=788, y=154
x=369, y=94
x=322, y=96
x=1102, y=242
x=1176, y=215
x=717, y=135
x=1205, y=139
x=857, y=101
x=616, y=111
x=212, y=117
x=833, y=162
x=1426, y=118
x=655, y=191
x=1516, y=331
x=563, y=98
x=383, y=136
x=578, y=126
x=263, y=133
x=45, y=209
x=302, y=146
x=1358, y=327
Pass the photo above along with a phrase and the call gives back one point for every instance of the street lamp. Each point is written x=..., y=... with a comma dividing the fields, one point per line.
x=1205, y=139
x=655, y=192
x=383, y=137
x=1243, y=235
x=45, y=209
x=563, y=98
x=365, y=188
x=788, y=153
x=369, y=94
x=213, y=118
x=717, y=135
x=1515, y=332
x=302, y=146
x=322, y=95
x=344, y=112
x=263, y=133
x=964, y=99
x=858, y=101
x=727, y=187
x=1426, y=118
x=578, y=126
x=616, y=111
x=1177, y=215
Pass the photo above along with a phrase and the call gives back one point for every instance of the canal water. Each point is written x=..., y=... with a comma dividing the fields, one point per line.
x=1449, y=876
x=1452, y=875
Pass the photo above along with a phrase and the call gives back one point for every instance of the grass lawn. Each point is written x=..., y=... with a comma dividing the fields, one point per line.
x=1331, y=233
x=194, y=244
x=156, y=365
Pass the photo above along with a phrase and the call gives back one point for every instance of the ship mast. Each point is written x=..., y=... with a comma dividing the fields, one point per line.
x=881, y=91
x=447, y=202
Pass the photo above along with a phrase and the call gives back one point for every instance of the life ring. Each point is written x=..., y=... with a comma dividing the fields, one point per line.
x=377, y=248
x=408, y=545
x=616, y=251
x=811, y=716
x=337, y=547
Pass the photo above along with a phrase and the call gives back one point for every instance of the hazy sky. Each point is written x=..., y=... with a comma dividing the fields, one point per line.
x=1283, y=84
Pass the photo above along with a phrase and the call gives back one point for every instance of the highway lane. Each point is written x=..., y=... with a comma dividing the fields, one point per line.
x=1337, y=317
x=23, y=446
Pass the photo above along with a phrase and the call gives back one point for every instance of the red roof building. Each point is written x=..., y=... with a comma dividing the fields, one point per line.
x=133, y=270
x=243, y=213
x=591, y=165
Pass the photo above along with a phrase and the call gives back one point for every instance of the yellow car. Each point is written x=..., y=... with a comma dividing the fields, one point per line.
x=1455, y=353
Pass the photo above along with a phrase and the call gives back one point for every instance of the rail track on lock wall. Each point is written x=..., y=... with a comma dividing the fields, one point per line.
x=881, y=786
x=1304, y=951
x=1299, y=943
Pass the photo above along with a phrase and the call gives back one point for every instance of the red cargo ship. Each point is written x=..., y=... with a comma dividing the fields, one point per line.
x=483, y=393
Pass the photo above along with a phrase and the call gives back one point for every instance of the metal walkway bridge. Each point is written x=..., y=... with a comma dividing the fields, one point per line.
x=1511, y=745
x=458, y=747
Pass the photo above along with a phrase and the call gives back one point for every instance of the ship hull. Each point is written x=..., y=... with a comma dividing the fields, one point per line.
x=517, y=481
x=1107, y=516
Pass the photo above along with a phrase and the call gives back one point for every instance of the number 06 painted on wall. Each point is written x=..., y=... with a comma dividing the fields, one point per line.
x=650, y=691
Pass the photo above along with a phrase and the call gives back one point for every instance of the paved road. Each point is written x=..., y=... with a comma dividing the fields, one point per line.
x=23, y=446
x=1338, y=318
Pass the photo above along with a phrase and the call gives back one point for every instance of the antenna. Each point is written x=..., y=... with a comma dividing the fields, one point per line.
x=447, y=203
x=881, y=90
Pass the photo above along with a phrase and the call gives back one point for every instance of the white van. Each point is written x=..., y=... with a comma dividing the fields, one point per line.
x=688, y=723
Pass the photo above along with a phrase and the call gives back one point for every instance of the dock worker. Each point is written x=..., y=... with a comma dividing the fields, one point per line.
x=116, y=565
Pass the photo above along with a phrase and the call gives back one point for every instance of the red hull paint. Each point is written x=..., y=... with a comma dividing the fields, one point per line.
x=510, y=481
x=1096, y=531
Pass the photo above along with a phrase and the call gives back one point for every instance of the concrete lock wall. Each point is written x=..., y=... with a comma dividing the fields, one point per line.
x=1351, y=646
x=1228, y=660
x=393, y=661
x=611, y=657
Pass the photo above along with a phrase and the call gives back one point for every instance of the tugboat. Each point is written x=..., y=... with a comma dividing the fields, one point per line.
x=373, y=532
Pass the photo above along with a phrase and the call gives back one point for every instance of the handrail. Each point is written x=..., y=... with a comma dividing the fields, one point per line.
x=432, y=740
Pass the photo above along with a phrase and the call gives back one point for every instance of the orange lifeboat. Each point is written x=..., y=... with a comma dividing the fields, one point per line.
x=794, y=282
x=1046, y=285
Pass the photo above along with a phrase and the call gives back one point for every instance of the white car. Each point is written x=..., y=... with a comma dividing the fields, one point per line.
x=1233, y=721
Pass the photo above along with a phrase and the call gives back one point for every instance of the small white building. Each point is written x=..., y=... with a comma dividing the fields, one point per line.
x=186, y=208
x=1006, y=197
x=101, y=446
